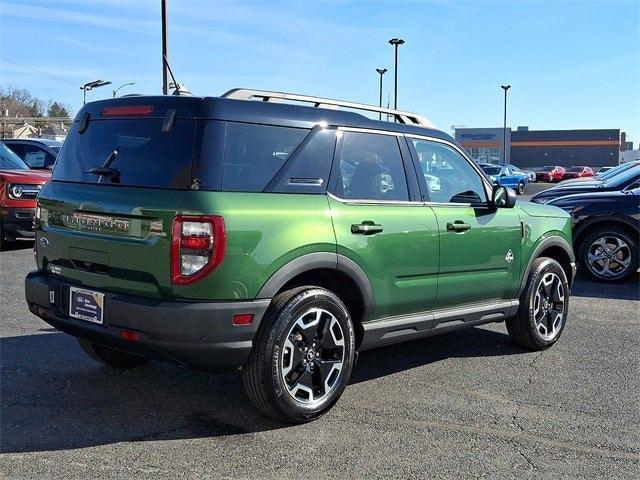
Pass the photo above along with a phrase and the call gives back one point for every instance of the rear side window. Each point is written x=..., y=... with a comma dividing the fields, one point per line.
x=371, y=168
x=146, y=156
x=253, y=154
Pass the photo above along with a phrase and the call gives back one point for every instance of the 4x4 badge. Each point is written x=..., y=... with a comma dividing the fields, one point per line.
x=509, y=256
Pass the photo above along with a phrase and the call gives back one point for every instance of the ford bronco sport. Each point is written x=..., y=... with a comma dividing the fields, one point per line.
x=282, y=239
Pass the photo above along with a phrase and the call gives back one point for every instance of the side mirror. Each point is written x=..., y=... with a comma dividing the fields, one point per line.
x=503, y=197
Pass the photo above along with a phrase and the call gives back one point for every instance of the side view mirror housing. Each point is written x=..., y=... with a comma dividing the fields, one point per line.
x=503, y=197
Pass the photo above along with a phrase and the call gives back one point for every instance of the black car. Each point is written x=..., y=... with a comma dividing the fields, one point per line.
x=35, y=152
x=618, y=182
x=606, y=227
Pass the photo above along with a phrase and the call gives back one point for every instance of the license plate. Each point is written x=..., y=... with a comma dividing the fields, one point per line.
x=86, y=305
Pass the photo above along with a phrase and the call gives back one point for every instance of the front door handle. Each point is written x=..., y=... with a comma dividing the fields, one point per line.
x=458, y=226
x=367, y=227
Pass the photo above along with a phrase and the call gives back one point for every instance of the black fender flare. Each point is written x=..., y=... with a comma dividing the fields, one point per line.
x=580, y=231
x=313, y=261
x=553, y=241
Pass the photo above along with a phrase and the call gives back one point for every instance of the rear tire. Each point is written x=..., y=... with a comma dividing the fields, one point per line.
x=543, y=309
x=110, y=356
x=302, y=355
x=609, y=255
x=521, y=188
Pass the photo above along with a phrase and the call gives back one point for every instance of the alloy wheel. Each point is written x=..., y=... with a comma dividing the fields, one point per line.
x=549, y=306
x=609, y=257
x=313, y=356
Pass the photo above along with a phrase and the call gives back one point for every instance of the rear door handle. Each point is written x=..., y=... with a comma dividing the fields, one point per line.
x=367, y=227
x=458, y=226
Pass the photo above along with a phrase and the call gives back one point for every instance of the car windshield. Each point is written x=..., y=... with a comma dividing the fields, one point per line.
x=9, y=160
x=624, y=177
x=492, y=170
x=613, y=171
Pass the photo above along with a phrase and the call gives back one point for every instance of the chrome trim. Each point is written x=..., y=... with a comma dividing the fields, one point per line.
x=406, y=118
x=370, y=130
x=408, y=203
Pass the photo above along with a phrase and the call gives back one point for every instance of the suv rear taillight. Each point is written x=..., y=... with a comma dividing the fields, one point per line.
x=197, y=247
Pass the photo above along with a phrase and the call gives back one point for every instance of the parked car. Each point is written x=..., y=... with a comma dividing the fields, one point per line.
x=618, y=182
x=531, y=175
x=606, y=228
x=35, y=152
x=283, y=238
x=578, y=172
x=603, y=169
x=550, y=174
x=19, y=187
x=507, y=177
x=613, y=171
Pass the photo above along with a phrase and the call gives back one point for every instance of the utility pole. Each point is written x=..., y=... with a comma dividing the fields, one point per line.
x=165, y=51
x=381, y=71
x=396, y=42
x=504, y=131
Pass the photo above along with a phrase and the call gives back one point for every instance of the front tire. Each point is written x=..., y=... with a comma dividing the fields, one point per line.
x=543, y=307
x=110, y=356
x=302, y=355
x=609, y=255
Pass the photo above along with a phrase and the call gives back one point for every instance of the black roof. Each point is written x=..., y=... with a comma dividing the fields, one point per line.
x=252, y=111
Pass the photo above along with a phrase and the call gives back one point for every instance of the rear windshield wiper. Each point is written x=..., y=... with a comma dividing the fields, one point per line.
x=106, y=170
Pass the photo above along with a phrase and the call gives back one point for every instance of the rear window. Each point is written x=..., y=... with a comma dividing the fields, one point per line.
x=492, y=170
x=146, y=156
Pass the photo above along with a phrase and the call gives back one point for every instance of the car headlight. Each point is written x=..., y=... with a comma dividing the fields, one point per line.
x=23, y=191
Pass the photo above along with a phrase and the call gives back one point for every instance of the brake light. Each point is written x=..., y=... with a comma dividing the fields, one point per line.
x=198, y=246
x=131, y=111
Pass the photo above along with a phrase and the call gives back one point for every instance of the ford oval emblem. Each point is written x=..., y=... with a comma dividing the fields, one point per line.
x=44, y=242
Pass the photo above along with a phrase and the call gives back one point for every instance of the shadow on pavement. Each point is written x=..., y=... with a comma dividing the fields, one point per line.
x=628, y=290
x=53, y=397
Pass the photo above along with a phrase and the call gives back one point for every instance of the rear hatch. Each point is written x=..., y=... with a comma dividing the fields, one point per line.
x=118, y=183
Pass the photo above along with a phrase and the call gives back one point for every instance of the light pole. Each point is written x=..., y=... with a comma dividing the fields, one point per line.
x=381, y=71
x=90, y=86
x=504, y=130
x=396, y=42
x=115, y=92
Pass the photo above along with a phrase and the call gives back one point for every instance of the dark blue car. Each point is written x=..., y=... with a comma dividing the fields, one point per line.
x=506, y=176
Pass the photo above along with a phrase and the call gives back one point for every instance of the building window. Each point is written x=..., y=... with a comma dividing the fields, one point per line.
x=485, y=154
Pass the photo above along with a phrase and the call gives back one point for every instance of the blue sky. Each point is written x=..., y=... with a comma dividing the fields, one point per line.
x=571, y=64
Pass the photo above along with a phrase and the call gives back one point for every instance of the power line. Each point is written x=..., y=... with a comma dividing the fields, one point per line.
x=37, y=70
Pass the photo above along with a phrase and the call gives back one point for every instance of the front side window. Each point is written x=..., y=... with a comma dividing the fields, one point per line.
x=370, y=168
x=457, y=181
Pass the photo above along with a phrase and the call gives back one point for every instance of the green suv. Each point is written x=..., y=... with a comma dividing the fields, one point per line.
x=249, y=231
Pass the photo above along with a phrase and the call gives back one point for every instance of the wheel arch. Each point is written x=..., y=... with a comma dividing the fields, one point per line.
x=583, y=229
x=553, y=247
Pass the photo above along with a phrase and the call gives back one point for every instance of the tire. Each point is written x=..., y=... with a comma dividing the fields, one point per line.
x=539, y=322
x=110, y=356
x=521, y=188
x=275, y=376
x=3, y=242
x=609, y=246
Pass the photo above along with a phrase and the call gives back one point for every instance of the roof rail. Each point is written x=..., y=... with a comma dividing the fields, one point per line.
x=267, y=96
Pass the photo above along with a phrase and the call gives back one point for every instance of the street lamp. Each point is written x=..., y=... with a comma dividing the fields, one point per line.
x=90, y=86
x=396, y=42
x=504, y=130
x=115, y=92
x=381, y=71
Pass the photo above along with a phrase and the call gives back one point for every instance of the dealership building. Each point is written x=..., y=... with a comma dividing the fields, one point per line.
x=537, y=148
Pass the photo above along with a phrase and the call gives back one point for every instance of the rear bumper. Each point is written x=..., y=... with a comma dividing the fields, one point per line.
x=17, y=222
x=200, y=334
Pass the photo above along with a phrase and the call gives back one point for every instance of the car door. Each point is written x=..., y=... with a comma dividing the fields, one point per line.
x=479, y=245
x=380, y=222
x=509, y=179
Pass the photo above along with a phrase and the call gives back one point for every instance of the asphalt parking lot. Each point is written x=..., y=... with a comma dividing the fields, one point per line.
x=466, y=404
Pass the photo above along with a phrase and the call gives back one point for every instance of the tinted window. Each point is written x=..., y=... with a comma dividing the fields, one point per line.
x=253, y=154
x=145, y=155
x=492, y=170
x=9, y=160
x=37, y=157
x=307, y=171
x=624, y=177
x=371, y=168
x=457, y=180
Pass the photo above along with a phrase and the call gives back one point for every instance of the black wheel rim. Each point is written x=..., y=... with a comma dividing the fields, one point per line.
x=313, y=356
x=549, y=306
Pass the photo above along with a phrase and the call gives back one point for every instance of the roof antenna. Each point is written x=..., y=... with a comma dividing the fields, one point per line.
x=180, y=89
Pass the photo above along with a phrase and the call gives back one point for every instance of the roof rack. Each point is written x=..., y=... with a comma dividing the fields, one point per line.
x=267, y=96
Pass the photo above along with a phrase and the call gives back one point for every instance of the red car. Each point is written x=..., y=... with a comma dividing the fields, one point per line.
x=550, y=174
x=19, y=187
x=579, y=172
